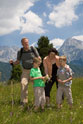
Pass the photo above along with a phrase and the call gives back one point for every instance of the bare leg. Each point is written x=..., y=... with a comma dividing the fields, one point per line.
x=42, y=107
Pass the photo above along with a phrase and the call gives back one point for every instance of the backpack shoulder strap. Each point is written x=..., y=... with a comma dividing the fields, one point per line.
x=33, y=49
x=21, y=51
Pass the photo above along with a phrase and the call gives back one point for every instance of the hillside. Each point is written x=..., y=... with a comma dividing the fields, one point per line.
x=17, y=115
x=78, y=70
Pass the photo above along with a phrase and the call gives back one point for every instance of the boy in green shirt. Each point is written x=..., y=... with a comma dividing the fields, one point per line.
x=38, y=84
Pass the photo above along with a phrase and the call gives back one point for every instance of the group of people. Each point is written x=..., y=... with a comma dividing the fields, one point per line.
x=56, y=70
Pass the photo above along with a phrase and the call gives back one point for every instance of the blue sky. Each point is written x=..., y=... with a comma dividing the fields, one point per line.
x=56, y=19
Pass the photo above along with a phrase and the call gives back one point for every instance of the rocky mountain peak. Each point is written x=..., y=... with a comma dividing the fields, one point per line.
x=7, y=53
x=72, y=42
x=73, y=49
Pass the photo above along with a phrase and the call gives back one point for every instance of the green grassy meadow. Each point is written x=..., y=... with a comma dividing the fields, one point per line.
x=17, y=115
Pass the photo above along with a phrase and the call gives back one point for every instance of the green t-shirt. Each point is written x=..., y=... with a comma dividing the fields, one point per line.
x=35, y=72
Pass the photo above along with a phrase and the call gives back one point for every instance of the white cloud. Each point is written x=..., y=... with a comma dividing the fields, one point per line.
x=57, y=42
x=33, y=23
x=11, y=14
x=64, y=13
x=80, y=37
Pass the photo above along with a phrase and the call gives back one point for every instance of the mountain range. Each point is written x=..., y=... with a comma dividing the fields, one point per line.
x=71, y=47
x=7, y=53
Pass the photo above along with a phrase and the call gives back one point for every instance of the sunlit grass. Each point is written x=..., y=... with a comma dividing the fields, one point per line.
x=17, y=115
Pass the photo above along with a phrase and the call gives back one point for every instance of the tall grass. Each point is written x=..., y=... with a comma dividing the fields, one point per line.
x=18, y=115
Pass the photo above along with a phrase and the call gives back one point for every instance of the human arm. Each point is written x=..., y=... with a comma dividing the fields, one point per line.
x=67, y=80
x=36, y=75
x=14, y=62
x=67, y=67
x=64, y=81
x=59, y=80
x=35, y=78
x=45, y=66
x=34, y=50
x=57, y=60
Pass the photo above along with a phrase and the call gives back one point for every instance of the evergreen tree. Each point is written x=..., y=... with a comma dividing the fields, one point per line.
x=43, y=46
x=16, y=72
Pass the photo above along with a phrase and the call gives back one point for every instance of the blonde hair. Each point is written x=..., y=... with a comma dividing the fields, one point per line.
x=36, y=60
x=64, y=58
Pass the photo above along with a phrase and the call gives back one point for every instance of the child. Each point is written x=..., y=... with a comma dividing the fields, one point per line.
x=65, y=80
x=38, y=84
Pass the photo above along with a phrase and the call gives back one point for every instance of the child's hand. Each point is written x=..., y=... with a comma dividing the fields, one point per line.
x=63, y=82
x=43, y=78
x=47, y=77
x=60, y=81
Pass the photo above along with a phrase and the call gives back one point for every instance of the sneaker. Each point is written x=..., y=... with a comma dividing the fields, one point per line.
x=36, y=109
x=42, y=109
x=21, y=103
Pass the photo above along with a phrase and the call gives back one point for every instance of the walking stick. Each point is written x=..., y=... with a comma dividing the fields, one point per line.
x=12, y=92
x=0, y=76
x=12, y=97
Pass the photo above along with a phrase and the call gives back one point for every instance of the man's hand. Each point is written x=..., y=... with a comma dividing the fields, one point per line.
x=11, y=62
x=14, y=63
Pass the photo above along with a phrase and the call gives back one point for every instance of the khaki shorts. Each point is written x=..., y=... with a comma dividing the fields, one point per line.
x=67, y=92
x=24, y=85
x=39, y=94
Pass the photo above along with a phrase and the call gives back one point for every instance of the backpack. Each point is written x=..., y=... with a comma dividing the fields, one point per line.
x=32, y=49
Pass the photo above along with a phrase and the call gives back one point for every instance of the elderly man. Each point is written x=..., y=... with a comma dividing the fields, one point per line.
x=25, y=55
